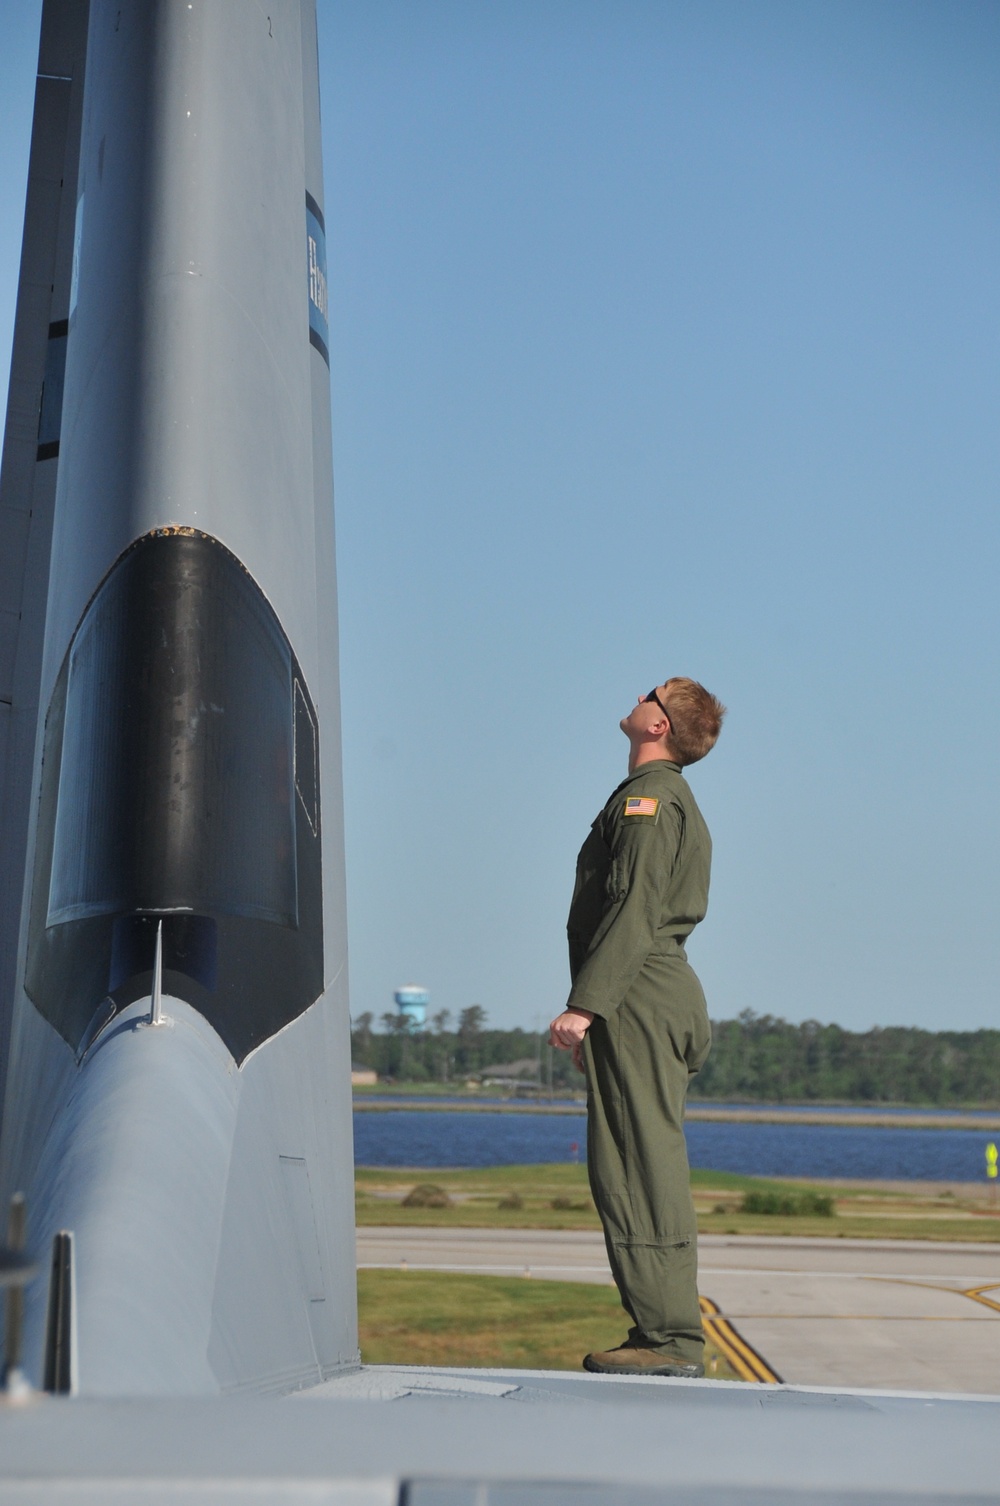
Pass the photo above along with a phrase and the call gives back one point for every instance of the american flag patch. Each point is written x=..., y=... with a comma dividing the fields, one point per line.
x=644, y=806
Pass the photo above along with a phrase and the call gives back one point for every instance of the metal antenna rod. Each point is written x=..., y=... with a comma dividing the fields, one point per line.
x=155, y=1003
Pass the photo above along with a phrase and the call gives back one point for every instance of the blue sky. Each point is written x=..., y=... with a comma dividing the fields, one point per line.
x=664, y=340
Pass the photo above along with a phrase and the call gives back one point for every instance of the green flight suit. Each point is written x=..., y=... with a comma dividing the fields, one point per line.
x=641, y=888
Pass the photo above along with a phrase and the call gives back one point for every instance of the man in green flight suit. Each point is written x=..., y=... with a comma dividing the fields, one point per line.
x=636, y=1023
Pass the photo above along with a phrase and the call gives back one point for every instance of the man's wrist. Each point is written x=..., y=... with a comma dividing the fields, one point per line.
x=588, y=1014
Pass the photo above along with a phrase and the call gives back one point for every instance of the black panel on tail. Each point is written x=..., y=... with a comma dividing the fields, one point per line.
x=180, y=784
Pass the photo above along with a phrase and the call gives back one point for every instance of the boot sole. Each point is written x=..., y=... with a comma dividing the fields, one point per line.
x=680, y=1372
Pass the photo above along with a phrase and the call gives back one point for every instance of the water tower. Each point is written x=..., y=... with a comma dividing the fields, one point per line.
x=412, y=1001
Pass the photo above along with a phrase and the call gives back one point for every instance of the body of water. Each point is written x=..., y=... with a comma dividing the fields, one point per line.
x=425, y=1138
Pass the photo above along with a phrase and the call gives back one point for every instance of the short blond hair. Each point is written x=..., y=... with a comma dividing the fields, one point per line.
x=695, y=718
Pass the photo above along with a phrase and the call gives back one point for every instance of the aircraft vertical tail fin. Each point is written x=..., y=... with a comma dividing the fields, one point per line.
x=31, y=447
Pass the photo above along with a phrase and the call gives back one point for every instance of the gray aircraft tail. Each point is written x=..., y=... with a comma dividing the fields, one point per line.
x=174, y=1037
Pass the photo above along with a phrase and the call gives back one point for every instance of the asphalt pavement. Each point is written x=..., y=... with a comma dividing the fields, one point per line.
x=891, y=1314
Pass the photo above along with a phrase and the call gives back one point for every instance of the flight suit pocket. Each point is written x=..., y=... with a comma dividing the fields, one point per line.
x=616, y=883
x=699, y=1042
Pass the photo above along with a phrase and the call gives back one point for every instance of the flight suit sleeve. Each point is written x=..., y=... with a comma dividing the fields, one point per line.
x=643, y=852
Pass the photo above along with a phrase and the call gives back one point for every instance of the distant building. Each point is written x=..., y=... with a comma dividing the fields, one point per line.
x=524, y=1072
x=412, y=1001
x=363, y=1077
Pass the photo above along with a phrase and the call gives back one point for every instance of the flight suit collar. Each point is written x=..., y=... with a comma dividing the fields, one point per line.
x=644, y=768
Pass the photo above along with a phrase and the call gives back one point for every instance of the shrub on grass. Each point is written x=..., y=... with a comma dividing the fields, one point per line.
x=795, y=1204
x=819, y=1203
x=426, y=1195
x=512, y=1201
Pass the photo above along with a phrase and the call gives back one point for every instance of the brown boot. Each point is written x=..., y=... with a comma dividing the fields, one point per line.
x=633, y=1359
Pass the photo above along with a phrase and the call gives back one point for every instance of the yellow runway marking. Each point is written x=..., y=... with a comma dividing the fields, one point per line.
x=976, y=1295
x=751, y=1366
x=745, y=1360
x=860, y=1317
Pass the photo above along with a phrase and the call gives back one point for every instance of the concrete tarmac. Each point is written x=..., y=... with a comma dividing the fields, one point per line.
x=894, y=1314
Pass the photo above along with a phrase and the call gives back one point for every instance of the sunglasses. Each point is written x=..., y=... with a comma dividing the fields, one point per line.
x=654, y=697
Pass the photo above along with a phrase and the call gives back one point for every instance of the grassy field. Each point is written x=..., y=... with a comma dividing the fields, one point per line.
x=434, y=1318
x=557, y=1197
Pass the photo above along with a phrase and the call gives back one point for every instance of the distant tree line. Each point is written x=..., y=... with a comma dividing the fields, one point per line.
x=754, y=1057
x=454, y=1051
x=761, y=1057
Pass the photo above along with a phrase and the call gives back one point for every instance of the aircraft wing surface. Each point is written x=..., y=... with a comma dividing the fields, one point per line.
x=431, y=1437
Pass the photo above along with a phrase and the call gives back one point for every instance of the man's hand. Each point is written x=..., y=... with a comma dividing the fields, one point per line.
x=568, y=1029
